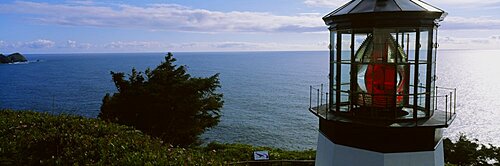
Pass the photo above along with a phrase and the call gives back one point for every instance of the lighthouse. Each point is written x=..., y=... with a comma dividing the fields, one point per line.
x=382, y=105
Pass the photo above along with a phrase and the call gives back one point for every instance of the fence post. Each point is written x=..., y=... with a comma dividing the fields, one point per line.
x=446, y=109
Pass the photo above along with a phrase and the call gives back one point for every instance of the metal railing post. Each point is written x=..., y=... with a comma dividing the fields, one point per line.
x=436, y=98
x=327, y=107
x=321, y=96
x=451, y=95
x=446, y=109
x=317, y=108
x=310, y=96
x=455, y=101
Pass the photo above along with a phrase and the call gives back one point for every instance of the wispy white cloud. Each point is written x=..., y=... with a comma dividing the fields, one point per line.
x=71, y=44
x=81, y=2
x=439, y=3
x=464, y=3
x=3, y=44
x=35, y=44
x=163, y=17
x=448, y=42
x=325, y=3
x=471, y=23
x=149, y=46
x=39, y=44
x=134, y=45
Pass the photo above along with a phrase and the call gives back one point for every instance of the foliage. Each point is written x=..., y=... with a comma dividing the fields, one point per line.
x=167, y=103
x=465, y=152
x=242, y=152
x=30, y=138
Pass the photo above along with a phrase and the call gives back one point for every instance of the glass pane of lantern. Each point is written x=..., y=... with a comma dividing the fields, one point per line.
x=422, y=84
x=411, y=85
x=346, y=47
x=378, y=77
x=424, y=45
x=345, y=80
x=433, y=71
x=346, y=69
x=333, y=39
x=359, y=38
x=409, y=43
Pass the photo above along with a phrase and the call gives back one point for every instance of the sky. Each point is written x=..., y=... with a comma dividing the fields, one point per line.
x=99, y=26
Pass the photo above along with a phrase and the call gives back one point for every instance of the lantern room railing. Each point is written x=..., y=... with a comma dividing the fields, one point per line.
x=444, y=111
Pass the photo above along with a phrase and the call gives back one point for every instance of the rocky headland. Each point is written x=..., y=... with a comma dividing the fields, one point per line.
x=12, y=58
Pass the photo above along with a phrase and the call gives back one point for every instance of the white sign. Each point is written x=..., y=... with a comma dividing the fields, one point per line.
x=261, y=155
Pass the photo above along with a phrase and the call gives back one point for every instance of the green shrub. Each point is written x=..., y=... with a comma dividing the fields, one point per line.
x=466, y=152
x=165, y=102
x=30, y=138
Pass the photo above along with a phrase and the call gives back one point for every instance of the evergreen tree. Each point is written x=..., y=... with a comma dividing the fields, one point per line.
x=165, y=102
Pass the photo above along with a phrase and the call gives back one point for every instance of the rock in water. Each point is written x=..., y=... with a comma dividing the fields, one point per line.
x=4, y=59
x=15, y=57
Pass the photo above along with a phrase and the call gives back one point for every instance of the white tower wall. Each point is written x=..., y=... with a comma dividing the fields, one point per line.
x=331, y=154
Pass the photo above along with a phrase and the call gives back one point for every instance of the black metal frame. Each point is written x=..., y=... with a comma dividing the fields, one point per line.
x=336, y=61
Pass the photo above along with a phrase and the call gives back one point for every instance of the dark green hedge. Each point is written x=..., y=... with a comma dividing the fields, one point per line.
x=30, y=138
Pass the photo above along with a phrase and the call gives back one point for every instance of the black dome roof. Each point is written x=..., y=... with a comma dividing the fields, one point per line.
x=373, y=13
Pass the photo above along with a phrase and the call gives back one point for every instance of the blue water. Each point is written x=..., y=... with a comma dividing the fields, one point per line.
x=266, y=94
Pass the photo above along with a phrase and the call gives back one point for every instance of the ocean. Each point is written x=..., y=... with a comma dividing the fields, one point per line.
x=266, y=94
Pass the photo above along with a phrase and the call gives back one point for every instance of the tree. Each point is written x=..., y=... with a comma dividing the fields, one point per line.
x=466, y=152
x=167, y=103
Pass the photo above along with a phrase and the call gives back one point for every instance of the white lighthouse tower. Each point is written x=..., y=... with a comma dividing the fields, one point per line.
x=382, y=106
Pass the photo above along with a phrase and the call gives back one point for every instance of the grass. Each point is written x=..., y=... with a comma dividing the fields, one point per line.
x=31, y=138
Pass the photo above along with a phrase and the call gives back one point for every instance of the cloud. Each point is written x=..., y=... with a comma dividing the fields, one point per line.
x=35, y=44
x=204, y=46
x=448, y=42
x=38, y=44
x=325, y=3
x=2, y=44
x=455, y=3
x=471, y=23
x=81, y=2
x=171, y=17
x=134, y=45
x=70, y=44
x=464, y=3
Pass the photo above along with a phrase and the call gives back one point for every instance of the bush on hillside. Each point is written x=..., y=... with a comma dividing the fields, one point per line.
x=466, y=152
x=30, y=138
x=165, y=102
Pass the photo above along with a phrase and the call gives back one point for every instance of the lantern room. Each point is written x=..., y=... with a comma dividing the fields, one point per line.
x=382, y=105
x=383, y=59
